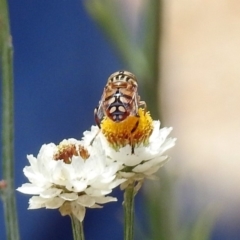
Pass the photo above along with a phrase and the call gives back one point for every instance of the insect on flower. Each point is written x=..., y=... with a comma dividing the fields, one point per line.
x=120, y=99
x=119, y=103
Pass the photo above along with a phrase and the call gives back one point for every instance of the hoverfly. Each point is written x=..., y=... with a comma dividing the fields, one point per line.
x=120, y=99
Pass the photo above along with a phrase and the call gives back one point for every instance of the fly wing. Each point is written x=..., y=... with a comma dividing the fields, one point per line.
x=99, y=112
x=131, y=100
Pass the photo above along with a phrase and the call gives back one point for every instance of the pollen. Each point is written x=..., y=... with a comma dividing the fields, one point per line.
x=67, y=150
x=133, y=131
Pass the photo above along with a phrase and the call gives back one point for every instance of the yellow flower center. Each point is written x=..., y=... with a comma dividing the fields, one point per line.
x=67, y=151
x=133, y=131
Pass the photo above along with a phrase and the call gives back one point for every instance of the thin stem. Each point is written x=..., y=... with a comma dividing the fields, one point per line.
x=129, y=212
x=6, y=61
x=77, y=228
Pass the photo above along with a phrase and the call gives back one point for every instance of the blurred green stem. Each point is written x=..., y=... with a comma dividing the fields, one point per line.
x=6, y=53
x=129, y=212
x=77, y=228
x=161, y=208
x=151, y=51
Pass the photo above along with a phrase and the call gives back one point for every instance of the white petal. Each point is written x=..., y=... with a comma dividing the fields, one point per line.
x=57, y=174
x=169, y=143
x=124, y=156
x=77, y=186
x=69, y=196
x=102, y=200
x=159, y=134
x=97, y=192
x=35, y=177
x=47, y=152
x=55, y=203
x=29, y=188
x=78, y=211
x=116, y=182
x=148, y=164
x=90, y=135
x=32, y=160
x=51, y=192
x=36, y=202
x=152, y=170
x=96, y=206
x=86, y=201
x=102, y=182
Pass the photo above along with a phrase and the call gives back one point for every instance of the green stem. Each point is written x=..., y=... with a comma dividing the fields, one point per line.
x=77, y=228
x=6, y=54
x=129, y=212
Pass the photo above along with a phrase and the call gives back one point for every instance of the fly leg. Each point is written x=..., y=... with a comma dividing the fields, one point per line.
x=98, y=121
x=142, y=105
x=132, y=131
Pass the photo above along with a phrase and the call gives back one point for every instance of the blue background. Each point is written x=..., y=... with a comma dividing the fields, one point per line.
x=61, y=64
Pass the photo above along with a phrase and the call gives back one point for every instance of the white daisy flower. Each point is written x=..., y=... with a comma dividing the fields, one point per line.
x=141, y=151
x=70, y=176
